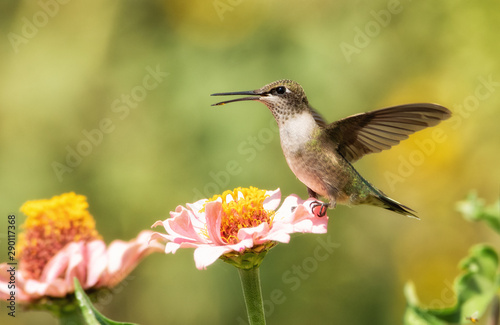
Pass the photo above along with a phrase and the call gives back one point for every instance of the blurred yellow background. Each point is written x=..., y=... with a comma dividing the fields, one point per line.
x=110, y=99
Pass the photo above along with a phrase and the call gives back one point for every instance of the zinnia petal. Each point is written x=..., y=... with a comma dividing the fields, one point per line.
x=96, y=263
x=180, y=225
x=213, y=217
x=273, y=201
x=206, y=255
x=60, y=242
x=236, y=222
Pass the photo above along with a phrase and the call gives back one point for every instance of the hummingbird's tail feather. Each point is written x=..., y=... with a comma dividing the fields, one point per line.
x=376, y=197
x=389, y=204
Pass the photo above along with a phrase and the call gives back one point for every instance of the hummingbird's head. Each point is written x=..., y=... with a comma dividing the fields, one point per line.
x=282, y=97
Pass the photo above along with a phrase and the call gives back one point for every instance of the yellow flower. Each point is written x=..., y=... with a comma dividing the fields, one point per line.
x=60, y=242
x=51, y=225
x=242, y=208
x=238, y=226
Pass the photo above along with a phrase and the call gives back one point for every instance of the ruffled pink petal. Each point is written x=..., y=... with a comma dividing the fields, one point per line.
x=144, y=238
x=198, y=217
x=294, y=215
x=121, y=254
x=123, y=257
x=172, y=247
x=273, y=201
x=158, y=236
x=214, y=217
x=286, y=211
x=90, y=262
x=4, y=281
x=255, y=232
x=56, y=266
x=77, y=266
x=279, y=233
x=196, y=220
x=262, y=234
x=115, y=255
x=56, y=279
x=37, y=289
x=5, y=291
x=242, y=245
x=305, y=221
x=21, y=282
x=180, y=225
x=52, y=281
x=97, y=261
x=206, y=255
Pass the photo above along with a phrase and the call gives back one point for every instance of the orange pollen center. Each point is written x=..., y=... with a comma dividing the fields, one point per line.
x=51, y=225
x=245, y=210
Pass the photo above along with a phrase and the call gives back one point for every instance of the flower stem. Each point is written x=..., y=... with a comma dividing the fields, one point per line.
x=250, y=281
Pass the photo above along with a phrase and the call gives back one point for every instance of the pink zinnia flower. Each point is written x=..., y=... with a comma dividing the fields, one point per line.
x=238, y=222
x=60, y=242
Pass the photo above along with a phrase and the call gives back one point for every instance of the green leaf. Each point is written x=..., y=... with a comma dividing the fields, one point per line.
x=91, y=315
x=474, y=209
x=415, y=315
x=475, y=288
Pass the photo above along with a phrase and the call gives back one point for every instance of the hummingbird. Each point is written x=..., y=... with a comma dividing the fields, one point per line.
x=321, y=154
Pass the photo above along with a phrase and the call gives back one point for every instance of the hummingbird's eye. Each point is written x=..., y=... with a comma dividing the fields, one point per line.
x=281, y=90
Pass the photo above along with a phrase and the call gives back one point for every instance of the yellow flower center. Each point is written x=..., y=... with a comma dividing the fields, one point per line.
x=51, y=224
x=246, y=210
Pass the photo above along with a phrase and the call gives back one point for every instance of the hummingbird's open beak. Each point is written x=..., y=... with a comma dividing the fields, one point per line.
x=251, y=93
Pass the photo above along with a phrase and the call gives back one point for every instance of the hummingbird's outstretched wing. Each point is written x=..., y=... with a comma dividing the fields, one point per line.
x=361, y=134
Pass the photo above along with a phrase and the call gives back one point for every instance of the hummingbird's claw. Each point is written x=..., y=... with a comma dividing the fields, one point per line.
x=319, y=208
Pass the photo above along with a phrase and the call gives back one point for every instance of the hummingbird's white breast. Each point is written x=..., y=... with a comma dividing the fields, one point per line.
x=297, y=131
x=296, y=134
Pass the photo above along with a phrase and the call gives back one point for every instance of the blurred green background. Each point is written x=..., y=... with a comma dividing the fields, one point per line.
x=67, y=69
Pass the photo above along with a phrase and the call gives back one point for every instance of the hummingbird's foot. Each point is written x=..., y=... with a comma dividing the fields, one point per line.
x=319, y=208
